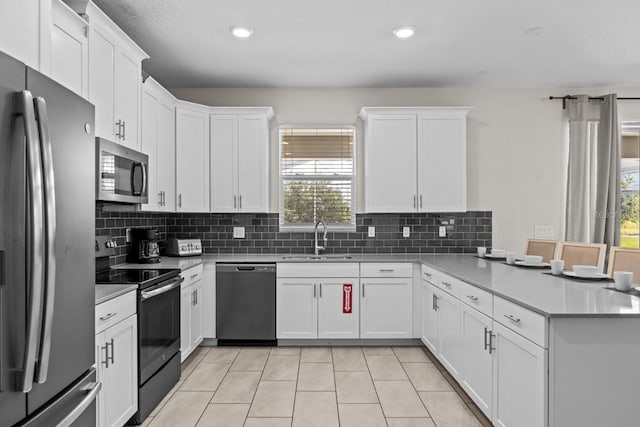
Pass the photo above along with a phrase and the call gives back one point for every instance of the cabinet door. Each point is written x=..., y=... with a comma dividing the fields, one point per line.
x=148, y=144
x=196, y=314
x=390, y=164
x=450, y=322
x=338, y=315
x=102, y=79
x=386, y=308
x=519, y=380
x=429, y=317
x=442, y=179
x=224, y=161
x=185, y=323
x=192, y=160
x=20, y=30
x=122, y=373
x=127, y=80
x=296, y=308
x=253, y=163
x=100, y=377
x=166, y=154
x=209, y=300
x=477, y=367
x=69, y=49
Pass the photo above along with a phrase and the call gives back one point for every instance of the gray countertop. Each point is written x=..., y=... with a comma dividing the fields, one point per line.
x=548, y=295
x=107, y=292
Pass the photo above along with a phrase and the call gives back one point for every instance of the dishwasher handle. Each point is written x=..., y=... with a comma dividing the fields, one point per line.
x=245, y=268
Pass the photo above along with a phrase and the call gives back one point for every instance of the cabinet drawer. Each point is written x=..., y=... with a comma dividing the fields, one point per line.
x=387, y=269
x=429, y=274
x=115, y=310
x=449, y=284
x=477, y=298
x=192, y=275
x=530, y=325
x=317, y=269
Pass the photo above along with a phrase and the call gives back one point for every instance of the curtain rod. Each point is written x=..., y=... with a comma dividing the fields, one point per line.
x=564, y=99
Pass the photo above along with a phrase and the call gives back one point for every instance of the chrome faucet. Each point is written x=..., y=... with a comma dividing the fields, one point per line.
x=326, y=239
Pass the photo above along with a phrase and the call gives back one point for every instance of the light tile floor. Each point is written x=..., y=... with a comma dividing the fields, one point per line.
x=315, y=386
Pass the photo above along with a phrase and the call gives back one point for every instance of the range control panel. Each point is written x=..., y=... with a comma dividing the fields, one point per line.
x=184, y=247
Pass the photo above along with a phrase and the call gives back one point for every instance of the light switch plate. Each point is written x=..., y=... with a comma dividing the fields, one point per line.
x=372, y=232
x=406, y=232
x=238, y=232
x=442, y=231
x=543, y=231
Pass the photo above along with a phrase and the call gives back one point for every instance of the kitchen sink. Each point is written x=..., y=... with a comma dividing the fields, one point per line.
x=317, y=257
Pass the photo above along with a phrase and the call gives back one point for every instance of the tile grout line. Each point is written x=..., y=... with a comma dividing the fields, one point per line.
x=414, y=388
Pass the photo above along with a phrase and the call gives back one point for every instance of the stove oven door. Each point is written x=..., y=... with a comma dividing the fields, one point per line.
x=159, y=326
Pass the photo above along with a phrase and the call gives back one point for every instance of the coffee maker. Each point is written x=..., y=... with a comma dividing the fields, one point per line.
x=144, y=246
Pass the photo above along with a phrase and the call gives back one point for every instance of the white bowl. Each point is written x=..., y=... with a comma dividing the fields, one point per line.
x=498, y=253
x=532, y=259
x=586, y=270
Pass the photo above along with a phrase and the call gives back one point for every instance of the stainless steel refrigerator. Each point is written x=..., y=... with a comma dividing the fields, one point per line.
x=47, y=264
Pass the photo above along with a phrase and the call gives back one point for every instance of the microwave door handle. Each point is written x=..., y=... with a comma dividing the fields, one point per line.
x=50, y=238
x=144, y=178
x=35, y=242
x=134, y=166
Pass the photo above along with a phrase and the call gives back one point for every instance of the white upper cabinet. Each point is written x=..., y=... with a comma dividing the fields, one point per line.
x=68, y=62
x=415, y=159
x=192, y=157
x=240, y=159
x=22, y=29
x=157, y=138
x=115, y=64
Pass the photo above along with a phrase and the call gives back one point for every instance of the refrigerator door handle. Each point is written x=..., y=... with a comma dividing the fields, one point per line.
x=50, y=239
x=35, y=241
x=93, y=389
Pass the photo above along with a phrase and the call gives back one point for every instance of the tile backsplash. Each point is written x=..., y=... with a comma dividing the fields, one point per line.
x=262, y=235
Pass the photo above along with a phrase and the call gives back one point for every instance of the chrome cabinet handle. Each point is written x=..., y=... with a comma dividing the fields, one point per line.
x=180, y=200
x=235, y=199
x=314, y=290
x=240, y=201
x=427, y=274
x=124, y=129
x=164, y=200
x=111, y=358
x=435, y=302
x=421, y=201
x=512, y=318
x=105, y=362
x=363, y=290
x=486, y=341
x=36, y=244
x=472, y=298
x=108, y=316
x=42, y=119
x=414, y=201
x=320, y=290
x=491, y=347
x=387, y=270
x=92, y=390
x=160, y=198
x=193, y=276
x=447, y=284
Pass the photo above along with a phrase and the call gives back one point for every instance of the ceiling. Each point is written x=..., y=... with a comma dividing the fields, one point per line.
x=349, y=43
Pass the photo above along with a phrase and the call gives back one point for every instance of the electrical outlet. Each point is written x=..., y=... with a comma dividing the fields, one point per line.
x=442, y=231
x=238, y=232
x=543, y=231
x=127, y=237
x=372, y=232
x=406, y=232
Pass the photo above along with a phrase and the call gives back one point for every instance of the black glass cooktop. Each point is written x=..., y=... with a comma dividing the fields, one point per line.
x=142, y=277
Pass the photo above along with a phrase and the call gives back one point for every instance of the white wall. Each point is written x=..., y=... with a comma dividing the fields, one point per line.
x=516, y=144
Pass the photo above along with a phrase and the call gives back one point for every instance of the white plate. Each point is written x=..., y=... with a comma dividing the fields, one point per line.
x=596, y=276
x=534, y=265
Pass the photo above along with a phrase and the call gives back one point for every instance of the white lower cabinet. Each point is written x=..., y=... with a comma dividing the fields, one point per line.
x=191, y=312
x=386, y=300
x=117, y=361
x=519, y=380
x=313, y=306
x=450, y=325
x=209, y=300
x=477, y=364
x=429, y=335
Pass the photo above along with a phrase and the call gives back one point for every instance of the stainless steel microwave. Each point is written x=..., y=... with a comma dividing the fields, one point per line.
x=121, y=173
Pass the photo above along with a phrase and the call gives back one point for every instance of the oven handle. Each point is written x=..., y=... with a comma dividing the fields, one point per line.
x=159, y=291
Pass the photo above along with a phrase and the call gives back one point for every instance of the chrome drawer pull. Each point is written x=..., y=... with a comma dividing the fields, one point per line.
x=427, y=274
x=446, y=284
x=387, y=270
x=512, y=318
x=472, y=298
x=108, y=316
x=193, y=276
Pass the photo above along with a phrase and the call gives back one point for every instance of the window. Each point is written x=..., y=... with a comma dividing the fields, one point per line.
x=317, y=177
x=629, y=185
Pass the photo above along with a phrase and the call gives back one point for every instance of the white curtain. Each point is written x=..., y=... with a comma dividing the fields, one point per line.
x=593, y=181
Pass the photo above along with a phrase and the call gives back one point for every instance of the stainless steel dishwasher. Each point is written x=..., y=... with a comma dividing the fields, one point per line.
x=246, y=304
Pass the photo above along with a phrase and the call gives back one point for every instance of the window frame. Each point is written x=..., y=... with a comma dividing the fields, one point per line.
x=281, y=179
x=633, y=126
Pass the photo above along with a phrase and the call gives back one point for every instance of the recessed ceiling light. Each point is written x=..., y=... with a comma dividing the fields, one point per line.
x=534, y=32
x=241, y=32
x=404, y=32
